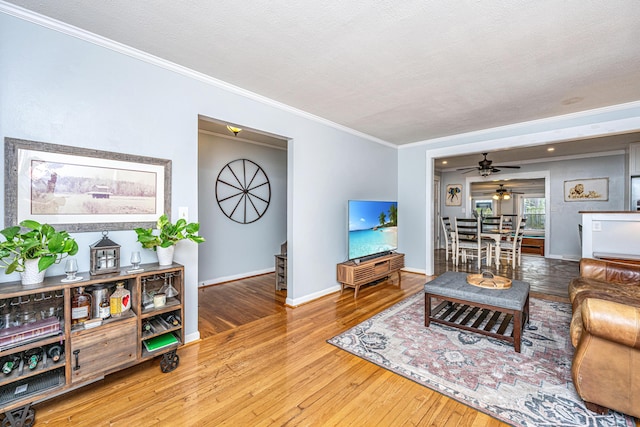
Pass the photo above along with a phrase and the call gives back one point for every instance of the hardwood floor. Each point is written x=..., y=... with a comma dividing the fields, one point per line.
x=260, y=363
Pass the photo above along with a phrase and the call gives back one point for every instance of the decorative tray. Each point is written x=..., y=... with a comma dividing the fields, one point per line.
x=487, y=279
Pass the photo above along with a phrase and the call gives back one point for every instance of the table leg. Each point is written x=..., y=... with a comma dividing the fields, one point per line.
x=517, y=330
x=427, y=310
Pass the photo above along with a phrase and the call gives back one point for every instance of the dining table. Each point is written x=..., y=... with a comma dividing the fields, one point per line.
x=496, y=234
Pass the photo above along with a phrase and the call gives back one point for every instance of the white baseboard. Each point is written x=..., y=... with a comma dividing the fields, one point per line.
x=236, y=277
x=564, y=257
x=297, y=301
x=415, y=270
x=194, y=336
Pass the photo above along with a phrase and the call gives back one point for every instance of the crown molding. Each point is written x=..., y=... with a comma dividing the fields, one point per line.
x=550, y=159
x=79, y=33
x=548, y=121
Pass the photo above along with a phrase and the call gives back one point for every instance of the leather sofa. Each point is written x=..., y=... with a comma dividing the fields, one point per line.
x=605, y=330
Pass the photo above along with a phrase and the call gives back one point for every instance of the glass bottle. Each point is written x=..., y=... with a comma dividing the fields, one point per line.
x=105, y=308
x=80, y=306
x=173, y=319
x=32, y=357
x=10, y=363
x=55, y=352
x=148, y=327
x=120, y=301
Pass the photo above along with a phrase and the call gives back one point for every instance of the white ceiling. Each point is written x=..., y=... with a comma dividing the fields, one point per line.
x=401, y=71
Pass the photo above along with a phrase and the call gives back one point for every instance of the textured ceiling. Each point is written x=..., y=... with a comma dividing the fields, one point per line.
x=401, y=71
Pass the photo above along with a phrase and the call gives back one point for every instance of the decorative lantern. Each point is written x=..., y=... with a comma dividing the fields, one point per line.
x=105, y=256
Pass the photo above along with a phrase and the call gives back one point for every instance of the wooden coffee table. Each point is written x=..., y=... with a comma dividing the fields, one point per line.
x=482, y=310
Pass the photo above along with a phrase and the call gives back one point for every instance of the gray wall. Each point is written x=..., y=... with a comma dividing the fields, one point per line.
x=238, y=250
x=416, y=168
x=563, y=218
x=63, y=89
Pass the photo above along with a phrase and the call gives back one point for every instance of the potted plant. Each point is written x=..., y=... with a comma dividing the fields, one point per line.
x=32, y=251
x=169, y=234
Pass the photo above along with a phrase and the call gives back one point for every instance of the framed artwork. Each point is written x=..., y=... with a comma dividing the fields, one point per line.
x=82, y=189
x=454, y=195
x=586, y=190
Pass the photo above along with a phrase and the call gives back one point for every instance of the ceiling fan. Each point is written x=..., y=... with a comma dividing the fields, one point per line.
x=503, y=193
x=486, y=168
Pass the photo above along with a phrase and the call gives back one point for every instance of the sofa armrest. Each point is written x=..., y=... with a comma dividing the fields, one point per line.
x=610, y=271
x=612, y=321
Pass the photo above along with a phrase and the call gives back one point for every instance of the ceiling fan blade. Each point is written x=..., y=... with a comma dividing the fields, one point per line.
x=510, y=167
x=470, y=170
x=467, y=169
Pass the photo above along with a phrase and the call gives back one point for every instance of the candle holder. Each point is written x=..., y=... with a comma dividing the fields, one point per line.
x=104, y=256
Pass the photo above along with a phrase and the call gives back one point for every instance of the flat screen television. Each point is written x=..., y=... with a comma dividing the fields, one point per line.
x=373, y=228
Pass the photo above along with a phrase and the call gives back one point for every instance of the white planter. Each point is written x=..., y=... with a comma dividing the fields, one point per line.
x=31, y=275
x=165, y=255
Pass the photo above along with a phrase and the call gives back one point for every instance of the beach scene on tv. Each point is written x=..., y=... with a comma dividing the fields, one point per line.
x=373, y=227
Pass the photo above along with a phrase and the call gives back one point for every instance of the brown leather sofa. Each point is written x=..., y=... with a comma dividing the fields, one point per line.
x=605, y=330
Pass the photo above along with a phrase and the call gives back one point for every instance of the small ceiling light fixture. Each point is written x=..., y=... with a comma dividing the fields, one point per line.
x=551, y=149
x=234, y=129
x=444, y=162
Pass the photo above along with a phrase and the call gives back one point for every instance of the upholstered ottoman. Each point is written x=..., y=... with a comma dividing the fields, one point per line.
x=485, y=311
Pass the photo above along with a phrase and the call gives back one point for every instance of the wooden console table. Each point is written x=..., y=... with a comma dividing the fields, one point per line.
x=355, y=275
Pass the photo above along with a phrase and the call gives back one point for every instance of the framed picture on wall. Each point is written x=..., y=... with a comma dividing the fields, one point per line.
x=83, y=189
x=454, y=195
x=586, y=190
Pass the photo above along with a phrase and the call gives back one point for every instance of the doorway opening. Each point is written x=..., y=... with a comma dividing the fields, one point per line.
x=242, y=201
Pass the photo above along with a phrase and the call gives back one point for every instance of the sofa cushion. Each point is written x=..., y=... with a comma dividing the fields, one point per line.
x=581, y=288
x=610, y=271
x=612, y=321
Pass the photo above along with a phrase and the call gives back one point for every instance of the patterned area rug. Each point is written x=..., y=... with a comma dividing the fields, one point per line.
x=531, y=388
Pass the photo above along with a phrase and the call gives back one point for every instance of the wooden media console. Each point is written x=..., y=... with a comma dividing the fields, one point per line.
x=355, y=275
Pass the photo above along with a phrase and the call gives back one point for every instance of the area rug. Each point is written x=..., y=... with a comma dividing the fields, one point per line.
x=531, y=388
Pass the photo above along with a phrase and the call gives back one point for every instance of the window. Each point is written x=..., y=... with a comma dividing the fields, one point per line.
x=483, y=208
x=533, y=208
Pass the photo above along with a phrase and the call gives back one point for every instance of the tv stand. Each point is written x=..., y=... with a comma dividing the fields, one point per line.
x=367, y=271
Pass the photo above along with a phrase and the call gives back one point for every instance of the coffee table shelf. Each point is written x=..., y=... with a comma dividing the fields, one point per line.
x=498, y=313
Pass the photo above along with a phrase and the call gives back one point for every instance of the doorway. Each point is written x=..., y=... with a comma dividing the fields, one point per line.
x=243, y=229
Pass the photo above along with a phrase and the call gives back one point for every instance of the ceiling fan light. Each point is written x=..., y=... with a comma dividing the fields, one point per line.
x=495, y=197
x=507, y=197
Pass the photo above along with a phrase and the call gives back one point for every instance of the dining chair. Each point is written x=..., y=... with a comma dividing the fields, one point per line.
x=469, y=243
x=449, y=239
x=491, y=223
x=511, y=251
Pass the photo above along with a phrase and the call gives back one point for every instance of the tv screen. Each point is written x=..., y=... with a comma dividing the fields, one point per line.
x=373, y=227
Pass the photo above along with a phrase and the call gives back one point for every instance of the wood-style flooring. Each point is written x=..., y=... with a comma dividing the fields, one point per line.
x=260, y=363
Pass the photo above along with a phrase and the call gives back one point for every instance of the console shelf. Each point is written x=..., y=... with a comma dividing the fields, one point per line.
x=354, y=274
x=87, y=353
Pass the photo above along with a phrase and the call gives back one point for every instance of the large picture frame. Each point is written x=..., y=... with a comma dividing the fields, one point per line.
x=586, y=190
x=81, y=189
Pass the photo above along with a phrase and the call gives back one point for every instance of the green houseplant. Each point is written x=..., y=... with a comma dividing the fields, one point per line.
x=168, y=235
x=39, y=246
